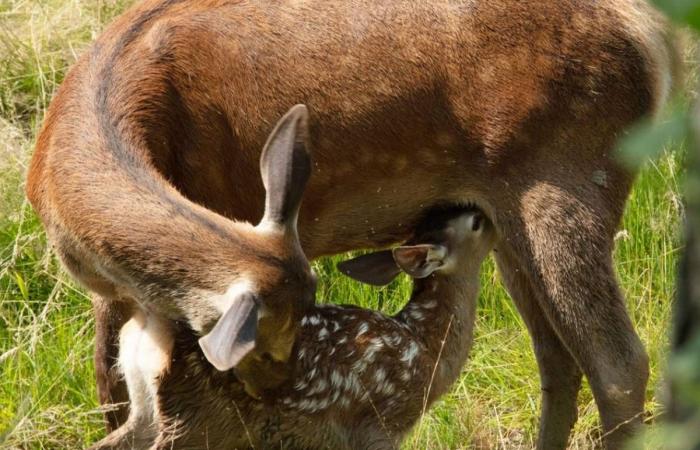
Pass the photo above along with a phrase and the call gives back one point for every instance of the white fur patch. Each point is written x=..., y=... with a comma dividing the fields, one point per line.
x=314, y=320
x=430, y=305
x=363, y=328
x=375, y=345
x=416, y=315
x=336, y=379
x=380, y=375
x=145, y=348
x=267, y=226
x=410, y=353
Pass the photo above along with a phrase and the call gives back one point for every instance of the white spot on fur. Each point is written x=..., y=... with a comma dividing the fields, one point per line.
x=410, y=353
x=375, y=345
x=380, y=375
x=363, y=328
x=352, y=384
x=336, y=379
x=309, y=405
x=334, y=396
x=430, y=305
x=416, y=315
x=319, y=387
x=394, y=340
x=323, y=404
x=359, y=365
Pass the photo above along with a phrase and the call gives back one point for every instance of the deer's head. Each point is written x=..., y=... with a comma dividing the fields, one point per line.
x=262, y=309
x=447, y=241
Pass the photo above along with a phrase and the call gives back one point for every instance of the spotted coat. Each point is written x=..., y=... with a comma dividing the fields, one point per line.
x=361, y=379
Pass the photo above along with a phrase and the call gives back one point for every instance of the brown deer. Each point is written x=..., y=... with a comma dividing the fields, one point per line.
x=149, y=151
x=360, y=380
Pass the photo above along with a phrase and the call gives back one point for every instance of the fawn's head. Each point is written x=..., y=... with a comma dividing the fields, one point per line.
x=261, y=311
x=445, y=242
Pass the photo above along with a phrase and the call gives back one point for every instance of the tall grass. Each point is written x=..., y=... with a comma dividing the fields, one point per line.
x=47, y=389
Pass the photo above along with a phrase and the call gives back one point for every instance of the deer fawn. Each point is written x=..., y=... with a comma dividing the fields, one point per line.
x=514, y=106
x=360, y=380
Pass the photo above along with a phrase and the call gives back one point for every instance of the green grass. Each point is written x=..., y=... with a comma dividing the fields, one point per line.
x=47, y=389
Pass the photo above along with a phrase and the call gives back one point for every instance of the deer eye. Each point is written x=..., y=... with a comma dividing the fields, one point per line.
x=477, y=221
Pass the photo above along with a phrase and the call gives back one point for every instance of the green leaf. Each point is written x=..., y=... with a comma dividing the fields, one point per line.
x=684, y=11
x=647, y=139
x=22, y=285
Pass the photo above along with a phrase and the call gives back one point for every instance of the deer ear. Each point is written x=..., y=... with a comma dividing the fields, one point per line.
x=285, y=166
x=377, y=268
x=233, y=336
x=420, y=261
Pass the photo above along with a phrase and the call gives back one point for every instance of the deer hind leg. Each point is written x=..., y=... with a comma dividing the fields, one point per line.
x=110, y=316
x=560, y=376
x=563, y=243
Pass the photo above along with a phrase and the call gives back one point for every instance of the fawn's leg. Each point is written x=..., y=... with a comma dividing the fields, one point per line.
x=563, y=240
x=560, y=376
x=110, y=316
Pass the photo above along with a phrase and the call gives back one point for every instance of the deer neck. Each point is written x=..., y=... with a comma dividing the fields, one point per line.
x=441, y=314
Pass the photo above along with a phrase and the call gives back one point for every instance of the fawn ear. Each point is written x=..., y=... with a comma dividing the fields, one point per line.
x=419, y=261
x=377, y=268
x=233, y=336
x=285, y=166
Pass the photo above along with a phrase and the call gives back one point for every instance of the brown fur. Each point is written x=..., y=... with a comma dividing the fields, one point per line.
x=514, y=105
x=360, y=379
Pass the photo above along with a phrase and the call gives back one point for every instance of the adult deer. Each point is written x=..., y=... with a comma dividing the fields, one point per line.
x=514, y=106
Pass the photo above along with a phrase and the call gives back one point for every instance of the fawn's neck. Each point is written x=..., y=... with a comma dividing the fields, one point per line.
x=441, y=314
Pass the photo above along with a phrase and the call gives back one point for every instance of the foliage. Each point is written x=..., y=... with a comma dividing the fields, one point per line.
x=683, y=428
